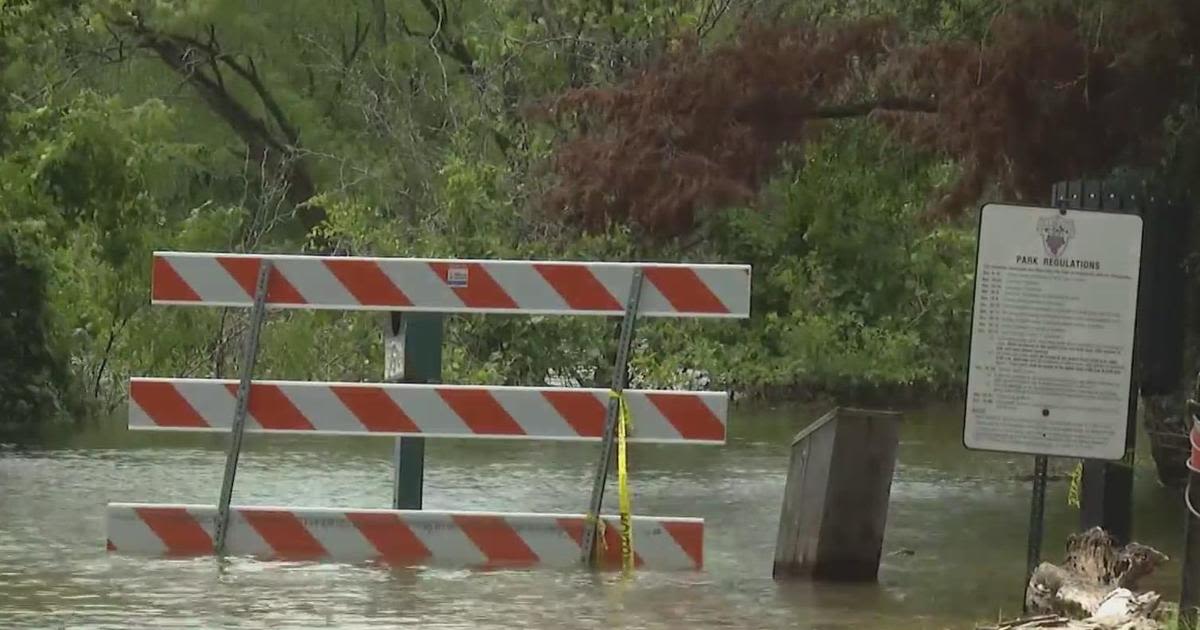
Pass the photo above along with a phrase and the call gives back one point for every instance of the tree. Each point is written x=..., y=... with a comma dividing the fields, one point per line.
x=274, y=142
x=1045, y=96
x=1047, y=92
x=401, y=127
x=34, y=374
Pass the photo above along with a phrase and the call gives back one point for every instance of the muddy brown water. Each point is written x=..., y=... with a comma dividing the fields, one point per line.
x=954, y=552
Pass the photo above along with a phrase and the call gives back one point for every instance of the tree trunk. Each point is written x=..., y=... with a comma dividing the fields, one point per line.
x=1094, y=587
x=274, y=143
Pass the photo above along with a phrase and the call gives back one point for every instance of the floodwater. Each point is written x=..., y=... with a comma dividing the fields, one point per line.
x=954, y=552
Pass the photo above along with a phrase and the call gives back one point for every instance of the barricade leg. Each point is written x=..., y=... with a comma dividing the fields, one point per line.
x=249, y=357
x=610, y=423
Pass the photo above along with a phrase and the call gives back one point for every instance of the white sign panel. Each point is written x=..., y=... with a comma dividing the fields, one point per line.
x=1052, y=333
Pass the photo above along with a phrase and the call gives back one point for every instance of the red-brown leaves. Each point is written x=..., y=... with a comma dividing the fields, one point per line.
x=1035, y=104
x=701, y=130
x=1041, y=99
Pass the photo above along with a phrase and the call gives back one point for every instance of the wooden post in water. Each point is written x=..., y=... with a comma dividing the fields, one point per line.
x=836, y=499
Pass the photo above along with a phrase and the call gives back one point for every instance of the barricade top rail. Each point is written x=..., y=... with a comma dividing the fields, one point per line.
x=451, y=285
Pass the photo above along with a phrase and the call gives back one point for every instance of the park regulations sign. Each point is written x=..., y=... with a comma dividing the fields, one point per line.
x=1051, y=359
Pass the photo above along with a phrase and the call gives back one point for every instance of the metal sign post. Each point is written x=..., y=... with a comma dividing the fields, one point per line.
x=1037, y=520
x=249, y=356
x=412, y=354
x=610, y=420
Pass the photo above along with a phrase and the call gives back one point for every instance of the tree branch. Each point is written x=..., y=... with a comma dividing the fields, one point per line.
x=455, y=48
x=408, y=30
x=250, y=74
x=866, y=108
x=212, y=59
x=264, y=95
x=713, y=12
x=349, y=54
x=381, y=22
x=277, y=156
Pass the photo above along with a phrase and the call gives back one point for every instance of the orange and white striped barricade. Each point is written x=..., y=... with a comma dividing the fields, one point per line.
x=402, y=537
x=452, y=286
x=399, y=409
x=420, y=537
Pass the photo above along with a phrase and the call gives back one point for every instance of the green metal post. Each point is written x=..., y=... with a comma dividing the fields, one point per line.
x=413, y=354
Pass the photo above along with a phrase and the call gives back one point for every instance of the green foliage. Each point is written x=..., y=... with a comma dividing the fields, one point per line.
x=34, y=379
x=851, y=290
x=414, y=130
x=96, y=178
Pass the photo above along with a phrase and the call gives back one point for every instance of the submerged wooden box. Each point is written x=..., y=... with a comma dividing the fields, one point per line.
x=836, y=499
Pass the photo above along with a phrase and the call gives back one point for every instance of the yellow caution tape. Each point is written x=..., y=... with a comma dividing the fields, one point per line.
x=1075, y=489
x=1076, y=482
x=624, y=425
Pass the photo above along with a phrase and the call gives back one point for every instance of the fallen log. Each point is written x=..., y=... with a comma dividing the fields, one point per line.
x=1094, y=589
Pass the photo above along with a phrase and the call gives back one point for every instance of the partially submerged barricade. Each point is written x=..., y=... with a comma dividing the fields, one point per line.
x=424, y=537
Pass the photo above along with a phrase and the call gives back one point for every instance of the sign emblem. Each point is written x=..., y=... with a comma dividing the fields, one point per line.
x=457, y=277
x=1056, y=232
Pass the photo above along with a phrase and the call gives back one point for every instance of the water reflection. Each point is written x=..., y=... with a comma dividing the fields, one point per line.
x=954, y=551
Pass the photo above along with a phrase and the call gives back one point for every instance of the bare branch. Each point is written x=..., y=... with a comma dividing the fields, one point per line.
x=251, y=76
x=453, y=47
x=866, y=108
x=349, y=54
x=713, y=12
x=381, y=21
x=408, y=30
